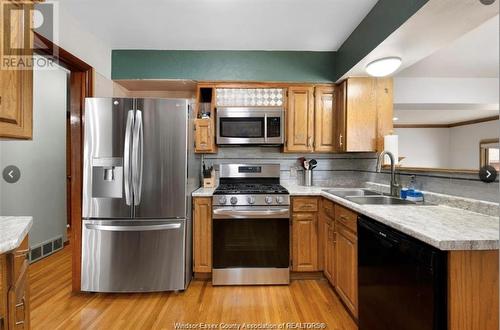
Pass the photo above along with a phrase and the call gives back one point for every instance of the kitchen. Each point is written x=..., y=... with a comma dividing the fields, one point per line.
x=248, y=178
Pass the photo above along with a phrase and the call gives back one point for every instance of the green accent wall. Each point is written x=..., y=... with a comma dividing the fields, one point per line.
x=384, y=18
x=280, y=66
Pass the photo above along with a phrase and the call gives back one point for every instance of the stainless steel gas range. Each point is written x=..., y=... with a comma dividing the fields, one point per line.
x=251, y=226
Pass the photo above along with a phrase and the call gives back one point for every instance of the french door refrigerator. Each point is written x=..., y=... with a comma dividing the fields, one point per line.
x=138, y=175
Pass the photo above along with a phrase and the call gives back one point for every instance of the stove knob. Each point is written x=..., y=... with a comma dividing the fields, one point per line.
x=269, y=199
x=251, y=200
x=222, y=200
x=279, y=199
x=233, y=200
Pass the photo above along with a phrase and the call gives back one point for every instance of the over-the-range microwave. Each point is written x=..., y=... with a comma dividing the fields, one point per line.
x=250, y=125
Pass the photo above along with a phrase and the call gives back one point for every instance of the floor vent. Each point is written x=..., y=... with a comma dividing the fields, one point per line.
x=36, y=253
x=45, y=249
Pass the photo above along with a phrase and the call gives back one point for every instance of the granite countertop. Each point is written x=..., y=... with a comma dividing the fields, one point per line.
x=203, y=192
x=12, y=232
x=443, y=227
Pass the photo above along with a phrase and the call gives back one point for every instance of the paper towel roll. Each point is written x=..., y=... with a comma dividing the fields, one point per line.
x=391, y=144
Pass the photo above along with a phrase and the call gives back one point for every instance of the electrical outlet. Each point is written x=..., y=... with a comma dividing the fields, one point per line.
x=293, y=172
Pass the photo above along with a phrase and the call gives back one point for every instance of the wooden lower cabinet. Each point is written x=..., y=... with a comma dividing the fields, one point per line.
x=305, y=234
x=202, y=235
x=473, y=298
x=346, y=267
x=305, y=240
x=14, y=288
x=329, y=256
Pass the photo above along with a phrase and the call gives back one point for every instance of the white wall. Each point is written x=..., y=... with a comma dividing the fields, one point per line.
x=446, y=90
x=464, y=141
x=424, y=147
x=41, y=190
x=454, y=148
x=86, y=46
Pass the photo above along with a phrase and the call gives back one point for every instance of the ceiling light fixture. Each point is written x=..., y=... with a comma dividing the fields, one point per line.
x=383, y=67
x=395, y=119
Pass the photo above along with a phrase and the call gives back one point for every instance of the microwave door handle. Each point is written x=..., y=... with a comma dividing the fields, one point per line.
x=265, y=127
x=126, y=157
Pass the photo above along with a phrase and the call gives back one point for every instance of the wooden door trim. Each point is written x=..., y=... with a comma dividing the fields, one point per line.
x=81, y=86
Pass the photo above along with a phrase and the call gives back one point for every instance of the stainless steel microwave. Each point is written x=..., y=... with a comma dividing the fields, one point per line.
x=250, y=125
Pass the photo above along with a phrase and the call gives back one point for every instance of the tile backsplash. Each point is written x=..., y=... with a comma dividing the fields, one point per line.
x=353, y=169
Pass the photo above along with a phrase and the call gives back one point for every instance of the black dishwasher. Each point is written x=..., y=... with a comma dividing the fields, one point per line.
x=402, y=281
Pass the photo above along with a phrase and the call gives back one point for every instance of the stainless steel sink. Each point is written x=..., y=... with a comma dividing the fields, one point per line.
x=352, y=192
x=379, y=200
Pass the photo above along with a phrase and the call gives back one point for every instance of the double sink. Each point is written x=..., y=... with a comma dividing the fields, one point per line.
x=367, y=197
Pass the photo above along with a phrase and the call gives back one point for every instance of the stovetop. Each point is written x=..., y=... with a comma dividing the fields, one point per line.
x=249, y=188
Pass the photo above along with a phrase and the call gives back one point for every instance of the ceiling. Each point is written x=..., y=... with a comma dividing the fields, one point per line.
x=313, y=25
x=473, y=55
x=441, y=116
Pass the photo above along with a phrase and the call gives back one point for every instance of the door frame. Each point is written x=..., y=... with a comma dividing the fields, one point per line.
x=81, y=86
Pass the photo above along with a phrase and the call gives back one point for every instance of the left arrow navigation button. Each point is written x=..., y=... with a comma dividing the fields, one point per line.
x=11, y=174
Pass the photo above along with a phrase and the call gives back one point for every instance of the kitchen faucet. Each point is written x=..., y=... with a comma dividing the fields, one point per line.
x=394, y=184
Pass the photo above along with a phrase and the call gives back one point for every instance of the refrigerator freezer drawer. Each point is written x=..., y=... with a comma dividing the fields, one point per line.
x=133, y=255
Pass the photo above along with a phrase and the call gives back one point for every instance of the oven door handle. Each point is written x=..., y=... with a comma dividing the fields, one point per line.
x=251, y=214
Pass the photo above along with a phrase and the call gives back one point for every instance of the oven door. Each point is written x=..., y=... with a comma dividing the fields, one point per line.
x=250, y=125
x=251, y=245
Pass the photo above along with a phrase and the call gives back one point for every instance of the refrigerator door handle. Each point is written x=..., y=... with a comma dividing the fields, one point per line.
x=134, y=228
x=137, y=158
x=126, y=157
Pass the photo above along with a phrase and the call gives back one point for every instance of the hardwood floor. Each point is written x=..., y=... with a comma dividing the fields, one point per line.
x=55, y=307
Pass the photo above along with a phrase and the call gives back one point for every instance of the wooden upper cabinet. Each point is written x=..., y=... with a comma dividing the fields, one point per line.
x=204, y=136
x=324, y=137
x=363, y=114
x=16, y=86
x=300, y=119
x=202, y=235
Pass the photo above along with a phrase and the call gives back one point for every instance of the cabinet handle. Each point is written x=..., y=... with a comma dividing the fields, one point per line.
x=22, y=303
x=340, y=140
x=22, y=253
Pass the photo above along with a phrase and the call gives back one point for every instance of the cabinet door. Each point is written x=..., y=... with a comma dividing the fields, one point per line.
x=305, y=242
x=340, y=117
x=18, y=309
x=300, y=119
x=385, y=110
x=324, y=137
x=330, y=253
x=16, y=86
x=202, y=235
x=204, y=136
x=346, y=267
x=3, y=291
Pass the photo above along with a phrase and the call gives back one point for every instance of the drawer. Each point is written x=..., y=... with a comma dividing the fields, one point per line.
x=328, y=208
x=305, y=204
x=346, y=217
x=304, y=217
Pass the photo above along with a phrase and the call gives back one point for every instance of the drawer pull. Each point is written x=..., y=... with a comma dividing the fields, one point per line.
x=23, y=304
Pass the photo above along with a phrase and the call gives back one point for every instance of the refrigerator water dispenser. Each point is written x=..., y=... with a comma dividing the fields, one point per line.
x=107, y=177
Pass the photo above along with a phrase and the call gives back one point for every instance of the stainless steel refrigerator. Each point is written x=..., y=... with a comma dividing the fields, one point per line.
x=139, y=172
